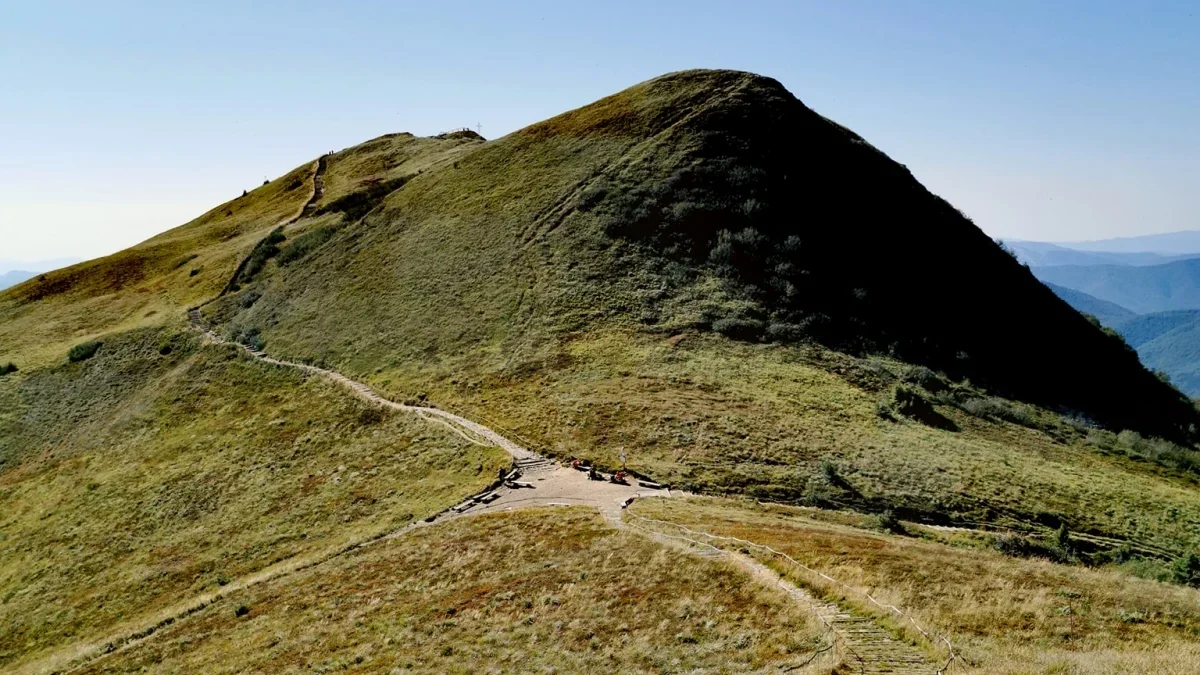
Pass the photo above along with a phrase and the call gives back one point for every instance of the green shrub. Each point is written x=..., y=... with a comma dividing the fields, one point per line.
x=888, y=522
x=241, y=610
x=361, y=202
x=830, y=470
x=370, y=415
x=7, y=368
x=738, y=329
x=248, y=336
x=1186, y=570
x=263, y=251
x=84, y=351
x=925, y=378
x=1156, y=450
x=911, y=403
x=304, y=244
x=1019, y=546
x=998, y=408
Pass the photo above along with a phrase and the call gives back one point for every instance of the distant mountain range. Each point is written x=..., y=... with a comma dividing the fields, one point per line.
x=1109, y=313
x=1142, y=289
x=13, y=272
x=8, y=265
x=14, y=277
x=1043, y=254
x=1150, y=296
x=1168, y=243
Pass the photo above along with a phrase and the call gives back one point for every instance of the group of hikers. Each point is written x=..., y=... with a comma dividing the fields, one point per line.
x=620, y=476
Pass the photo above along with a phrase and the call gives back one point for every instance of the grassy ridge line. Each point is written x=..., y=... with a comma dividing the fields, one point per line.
x=314, y=195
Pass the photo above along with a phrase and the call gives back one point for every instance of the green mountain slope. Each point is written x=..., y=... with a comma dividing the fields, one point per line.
x=1168, y=342
x=1176, y=353
x=1153, y=288
x=704, y=200
x=1110, y=314
x=1149, y=327
x=698, y=276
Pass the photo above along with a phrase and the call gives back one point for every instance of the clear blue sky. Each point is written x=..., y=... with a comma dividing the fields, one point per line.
x=1045, y=120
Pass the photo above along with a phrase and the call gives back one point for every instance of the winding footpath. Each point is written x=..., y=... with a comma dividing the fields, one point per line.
x=864, y=645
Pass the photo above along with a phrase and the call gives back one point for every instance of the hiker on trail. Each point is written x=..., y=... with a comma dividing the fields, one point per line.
x=592, y=475
x=502, y=473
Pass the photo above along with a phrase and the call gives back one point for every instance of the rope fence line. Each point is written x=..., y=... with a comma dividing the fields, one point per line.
x=932, y=638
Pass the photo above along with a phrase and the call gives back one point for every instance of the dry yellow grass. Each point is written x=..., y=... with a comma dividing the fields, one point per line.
x=136, y=480
x=1005, y=615
x=534, y=591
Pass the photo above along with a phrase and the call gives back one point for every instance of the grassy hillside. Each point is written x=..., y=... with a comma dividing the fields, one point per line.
x=1169, y=342
x=1110, y=314
x=538, y=591
x=1154, y=288
x=137, y=479
x=152, y=283
x=147, y=284
x=709, y=200
x=1003, y=614
x=698, y=273
x=590, y=284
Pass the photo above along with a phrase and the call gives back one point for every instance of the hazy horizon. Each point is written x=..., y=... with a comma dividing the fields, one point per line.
x=1066, y=123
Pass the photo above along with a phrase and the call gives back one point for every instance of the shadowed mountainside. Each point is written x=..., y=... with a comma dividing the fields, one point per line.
x=710, y=200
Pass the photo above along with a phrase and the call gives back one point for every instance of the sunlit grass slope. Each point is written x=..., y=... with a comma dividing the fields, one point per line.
x=710, y=200
x=603, y=281
x=136, y=479
x=153, y=282
x=537, y=591
x=714, y=416
x=1004, y=615
x=150, y=283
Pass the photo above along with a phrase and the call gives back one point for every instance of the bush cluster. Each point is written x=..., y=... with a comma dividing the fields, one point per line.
x=361, y=202
x=304, y=244
x=7, y=368
x=248, y=336
x=263, y=251
x=1156, y=450
x=910, y=402
x=84, y=351
x=992, y=407
x=1020, y=546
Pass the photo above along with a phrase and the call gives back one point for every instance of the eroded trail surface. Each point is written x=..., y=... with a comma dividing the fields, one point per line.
x=318, y=191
